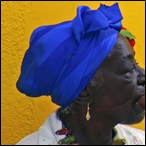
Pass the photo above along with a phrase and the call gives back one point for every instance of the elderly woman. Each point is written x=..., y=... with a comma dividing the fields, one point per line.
x=87, y=65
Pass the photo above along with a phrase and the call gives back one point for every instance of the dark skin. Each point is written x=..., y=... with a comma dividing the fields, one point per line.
x=112, y=95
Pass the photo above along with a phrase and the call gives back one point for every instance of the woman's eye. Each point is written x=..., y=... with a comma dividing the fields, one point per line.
x=128, y=73
x=131, y=70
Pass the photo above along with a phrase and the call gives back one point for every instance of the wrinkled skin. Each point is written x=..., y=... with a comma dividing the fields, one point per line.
x=122, y=84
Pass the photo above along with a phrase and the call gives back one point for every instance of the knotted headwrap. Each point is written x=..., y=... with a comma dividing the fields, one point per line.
x=62, y=58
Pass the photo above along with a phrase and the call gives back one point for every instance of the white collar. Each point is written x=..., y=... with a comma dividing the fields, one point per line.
x=47, y=131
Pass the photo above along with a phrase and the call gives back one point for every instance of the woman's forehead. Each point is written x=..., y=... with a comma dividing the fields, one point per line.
x=121, y=54
x=123, y=48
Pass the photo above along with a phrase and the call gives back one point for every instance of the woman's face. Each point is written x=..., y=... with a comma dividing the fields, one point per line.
x=123, y=92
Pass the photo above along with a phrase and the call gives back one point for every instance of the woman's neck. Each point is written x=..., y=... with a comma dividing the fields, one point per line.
x=87, y=132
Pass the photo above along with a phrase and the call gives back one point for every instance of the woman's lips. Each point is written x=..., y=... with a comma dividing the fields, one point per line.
x=140, y=103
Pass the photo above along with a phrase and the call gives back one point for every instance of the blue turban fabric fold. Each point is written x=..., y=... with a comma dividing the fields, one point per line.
x=62, y=58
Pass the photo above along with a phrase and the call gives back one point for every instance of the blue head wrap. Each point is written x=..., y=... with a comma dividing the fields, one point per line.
x=62, y=58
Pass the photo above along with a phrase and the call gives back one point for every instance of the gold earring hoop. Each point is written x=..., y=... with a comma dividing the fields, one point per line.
x=88, y=114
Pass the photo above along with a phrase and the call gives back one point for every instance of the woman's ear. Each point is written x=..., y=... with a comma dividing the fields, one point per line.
x=84, y=93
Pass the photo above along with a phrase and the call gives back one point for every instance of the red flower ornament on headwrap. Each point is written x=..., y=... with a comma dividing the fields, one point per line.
x=129, y=36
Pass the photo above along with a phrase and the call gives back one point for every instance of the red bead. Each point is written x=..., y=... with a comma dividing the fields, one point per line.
x=63, y=132
x=124, y=28
x=132, y=42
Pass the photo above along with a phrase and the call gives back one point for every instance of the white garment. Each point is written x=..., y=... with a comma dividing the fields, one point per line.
x=46, y=134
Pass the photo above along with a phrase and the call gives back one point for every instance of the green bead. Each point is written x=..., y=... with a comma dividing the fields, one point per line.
x=127, y=34
x=67, y=140
x=119, y=142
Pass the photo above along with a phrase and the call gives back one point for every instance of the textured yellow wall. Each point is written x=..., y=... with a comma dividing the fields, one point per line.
x=22, y=115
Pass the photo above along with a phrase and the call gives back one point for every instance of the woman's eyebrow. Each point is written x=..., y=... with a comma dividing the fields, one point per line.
x=130, y=55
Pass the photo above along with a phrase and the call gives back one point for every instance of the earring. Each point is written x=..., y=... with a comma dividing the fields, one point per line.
x=88, y=115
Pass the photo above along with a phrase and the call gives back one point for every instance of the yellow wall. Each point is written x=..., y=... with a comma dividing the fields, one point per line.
x=22, y=115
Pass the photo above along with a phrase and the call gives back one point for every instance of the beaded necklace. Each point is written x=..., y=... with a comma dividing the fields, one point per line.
x=70, y=138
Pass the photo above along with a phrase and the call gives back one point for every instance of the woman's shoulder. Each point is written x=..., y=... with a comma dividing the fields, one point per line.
x=133, y=136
